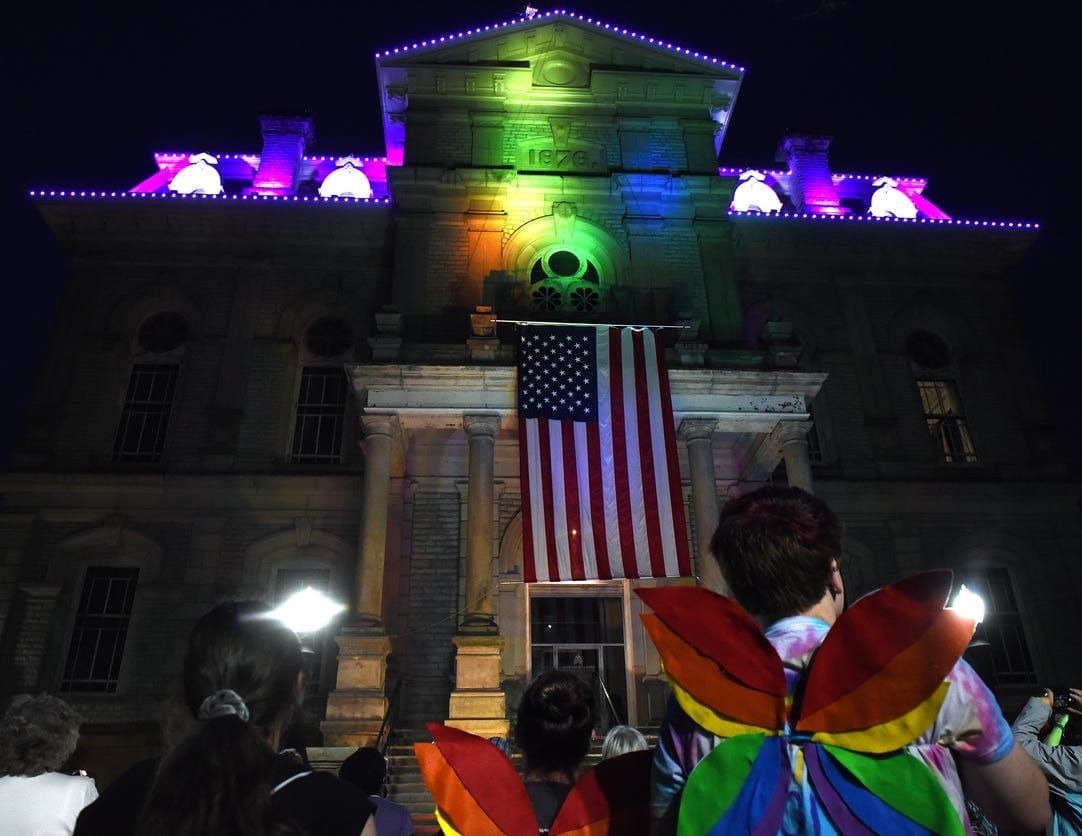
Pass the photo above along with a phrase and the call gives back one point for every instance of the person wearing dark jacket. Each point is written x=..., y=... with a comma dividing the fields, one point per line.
x=1062, y=764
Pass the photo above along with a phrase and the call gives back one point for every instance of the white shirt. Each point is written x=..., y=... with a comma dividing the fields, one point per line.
x=45, y=805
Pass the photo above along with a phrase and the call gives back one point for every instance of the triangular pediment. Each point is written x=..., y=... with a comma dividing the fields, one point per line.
x=573, y=40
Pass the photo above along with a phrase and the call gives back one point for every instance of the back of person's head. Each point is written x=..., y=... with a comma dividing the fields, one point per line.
x=620, y=740
x=241, y=684
x=366, y=768
x=555, y=722
x=37, y=734
x=776, y=548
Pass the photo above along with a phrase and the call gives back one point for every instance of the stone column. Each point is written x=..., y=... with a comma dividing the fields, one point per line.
x=481, y=430
x=792, y=437
x=478, y=703
x=355, y=709
x=379, y=432
x=697, y=432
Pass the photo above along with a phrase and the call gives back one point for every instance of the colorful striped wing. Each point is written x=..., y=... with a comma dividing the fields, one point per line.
x=724, y=672
x=612, y=799
x=477, y=790
x=877, y=681
x=740, y=787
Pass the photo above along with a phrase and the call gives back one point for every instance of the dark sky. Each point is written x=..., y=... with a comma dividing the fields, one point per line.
x=979, y=98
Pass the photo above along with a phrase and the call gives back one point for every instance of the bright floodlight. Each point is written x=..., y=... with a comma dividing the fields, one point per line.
x=969, y=605
x=307, y=611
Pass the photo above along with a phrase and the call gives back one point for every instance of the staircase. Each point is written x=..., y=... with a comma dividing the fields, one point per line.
x=405, y=785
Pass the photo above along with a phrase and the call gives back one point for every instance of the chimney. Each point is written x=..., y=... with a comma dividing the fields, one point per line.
x=811, y=188
x=284, y=141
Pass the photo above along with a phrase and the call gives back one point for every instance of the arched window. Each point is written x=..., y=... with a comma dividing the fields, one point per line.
x=323, y=393
x=941, y=402
x=563, y=279
x=152, y=385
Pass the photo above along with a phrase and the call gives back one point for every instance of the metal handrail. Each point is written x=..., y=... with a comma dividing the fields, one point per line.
x=387, y=726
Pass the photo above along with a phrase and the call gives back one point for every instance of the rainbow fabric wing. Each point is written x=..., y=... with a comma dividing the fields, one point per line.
x=724, y=672
x=873, y=687
x=478, y=791
x=476, y=787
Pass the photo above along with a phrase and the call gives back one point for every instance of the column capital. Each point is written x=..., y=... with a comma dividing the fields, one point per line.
x=379, y=423
x=789, y=431
x=481, y=424
x=691, y=429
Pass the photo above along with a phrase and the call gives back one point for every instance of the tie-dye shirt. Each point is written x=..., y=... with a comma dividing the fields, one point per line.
x=969, y=724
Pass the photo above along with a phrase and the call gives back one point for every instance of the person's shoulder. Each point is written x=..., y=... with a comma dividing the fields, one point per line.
x=329, y=794
x=116, y=810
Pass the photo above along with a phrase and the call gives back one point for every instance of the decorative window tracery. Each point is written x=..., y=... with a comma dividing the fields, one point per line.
x=563, y=280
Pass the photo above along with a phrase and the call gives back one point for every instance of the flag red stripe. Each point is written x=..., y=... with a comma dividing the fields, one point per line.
x=597, y=501
x=571, y=502
x=676, y=491
x=619, y=455
x=550, y=514
x=646, y=453
x=529, y=572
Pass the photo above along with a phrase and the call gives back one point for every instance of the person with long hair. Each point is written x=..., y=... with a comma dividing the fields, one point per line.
x=241, y=683
x=554, y=727
x=37, y=736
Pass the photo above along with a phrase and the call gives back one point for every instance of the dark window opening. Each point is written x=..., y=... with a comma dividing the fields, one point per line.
x=144, y=418
x=321, y=416
x=1007, y=649
x=163, y=332
x=101, y=630
x=329, y=337
x=946, y=421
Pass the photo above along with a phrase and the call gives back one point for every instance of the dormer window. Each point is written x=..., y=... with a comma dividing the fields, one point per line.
x=198, y=177
x=346, y=181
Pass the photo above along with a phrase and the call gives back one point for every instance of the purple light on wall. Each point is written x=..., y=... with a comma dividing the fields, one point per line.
x=872, y=219
x=67, y=194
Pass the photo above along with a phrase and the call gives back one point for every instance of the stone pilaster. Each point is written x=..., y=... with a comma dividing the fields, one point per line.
x=792, y=437
x=697, y=433
x=379, y=433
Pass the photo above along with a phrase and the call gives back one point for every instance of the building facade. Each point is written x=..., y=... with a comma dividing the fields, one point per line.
x=274, y=370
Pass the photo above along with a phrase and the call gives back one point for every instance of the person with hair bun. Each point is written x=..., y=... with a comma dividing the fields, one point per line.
x=241, y=684
x=554, y=727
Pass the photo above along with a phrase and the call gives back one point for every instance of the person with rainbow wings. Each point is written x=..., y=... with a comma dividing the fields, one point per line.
x=858, y=721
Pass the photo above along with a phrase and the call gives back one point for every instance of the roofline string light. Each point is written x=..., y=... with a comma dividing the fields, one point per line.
x=618, y=30
x=236, y=198
x=179, y=156
x=854, y=218
x=731, y=171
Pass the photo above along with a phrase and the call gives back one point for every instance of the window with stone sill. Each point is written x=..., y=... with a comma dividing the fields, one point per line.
x=152, y=384
x=101, y=630
x=564, y=280
x=322, y=394
x=933, y=365
x=1008, y=650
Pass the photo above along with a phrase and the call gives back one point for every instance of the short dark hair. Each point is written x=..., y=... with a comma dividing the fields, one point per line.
x=775, y=547
x=366, y=768
x=555, y=721
x=38, y=734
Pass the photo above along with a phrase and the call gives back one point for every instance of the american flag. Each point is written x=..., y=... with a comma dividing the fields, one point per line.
x=601, y=495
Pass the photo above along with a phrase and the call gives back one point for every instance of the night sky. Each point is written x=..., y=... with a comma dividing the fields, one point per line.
x=978, y=98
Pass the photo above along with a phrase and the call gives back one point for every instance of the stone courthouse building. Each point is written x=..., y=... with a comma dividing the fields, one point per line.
x=273, y=370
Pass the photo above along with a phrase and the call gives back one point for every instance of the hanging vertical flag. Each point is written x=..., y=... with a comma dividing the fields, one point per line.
x=601, y=495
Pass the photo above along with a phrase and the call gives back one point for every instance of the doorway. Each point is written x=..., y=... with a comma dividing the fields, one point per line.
x=584, y=636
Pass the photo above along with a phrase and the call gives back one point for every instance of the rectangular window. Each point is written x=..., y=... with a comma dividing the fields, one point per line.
x=288, y=582
x=1002, y=627
x=321, y=416
x=946, y=420
x=143, y=421
x=101, y=630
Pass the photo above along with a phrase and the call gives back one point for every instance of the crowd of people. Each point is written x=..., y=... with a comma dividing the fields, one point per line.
x=779, y=551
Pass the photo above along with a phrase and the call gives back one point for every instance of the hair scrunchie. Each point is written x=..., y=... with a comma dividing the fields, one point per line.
x=222, y=704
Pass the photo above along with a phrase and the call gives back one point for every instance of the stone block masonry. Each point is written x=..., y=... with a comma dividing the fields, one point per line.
x=432, y=607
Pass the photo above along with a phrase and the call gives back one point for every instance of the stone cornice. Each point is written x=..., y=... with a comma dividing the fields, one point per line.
x=437, y=397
